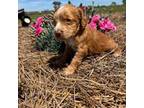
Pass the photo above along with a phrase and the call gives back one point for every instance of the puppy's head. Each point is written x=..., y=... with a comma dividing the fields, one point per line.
x=69, y=21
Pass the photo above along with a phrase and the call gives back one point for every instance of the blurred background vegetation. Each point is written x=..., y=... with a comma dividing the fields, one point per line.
x=97, y=9
x=90, y=10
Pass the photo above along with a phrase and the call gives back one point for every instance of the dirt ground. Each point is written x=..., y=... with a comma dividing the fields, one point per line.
x=98, y=83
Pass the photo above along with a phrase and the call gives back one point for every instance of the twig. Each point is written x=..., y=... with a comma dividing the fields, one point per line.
x=63, y=99
x=77, y=79
x=91, y=72
x=101, y=85
x=74, y=97
x=91, y=101
x=106, y=54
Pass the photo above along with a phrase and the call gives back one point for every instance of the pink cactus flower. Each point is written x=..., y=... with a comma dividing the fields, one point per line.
x=39, y=20
x=33, y=25
x=107, y=25
x=102, y=25
x=92, y=25
x=36, y=25
x=95, y=18
x=38, y=31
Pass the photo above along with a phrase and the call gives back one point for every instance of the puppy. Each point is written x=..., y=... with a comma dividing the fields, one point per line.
x=72, y=28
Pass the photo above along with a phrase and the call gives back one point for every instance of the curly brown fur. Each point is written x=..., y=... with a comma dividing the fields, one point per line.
x=72, y=28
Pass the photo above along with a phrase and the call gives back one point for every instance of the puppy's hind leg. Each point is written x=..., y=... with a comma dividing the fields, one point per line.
x=116, y=50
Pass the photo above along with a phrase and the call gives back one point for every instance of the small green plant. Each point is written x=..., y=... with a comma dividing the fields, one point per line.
x=43, y=31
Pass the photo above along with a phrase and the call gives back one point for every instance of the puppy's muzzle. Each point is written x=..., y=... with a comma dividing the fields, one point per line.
x=58, y=33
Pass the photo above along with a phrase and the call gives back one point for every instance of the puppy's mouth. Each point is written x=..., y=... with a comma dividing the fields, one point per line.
x=58, y=36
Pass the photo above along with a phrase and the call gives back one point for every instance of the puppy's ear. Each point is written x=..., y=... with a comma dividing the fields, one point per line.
x=83, y=18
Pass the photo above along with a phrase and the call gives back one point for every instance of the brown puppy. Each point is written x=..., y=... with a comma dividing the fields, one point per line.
x=72, y=28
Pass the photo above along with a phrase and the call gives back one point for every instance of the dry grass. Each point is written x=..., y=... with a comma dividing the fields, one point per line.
x=98, y=83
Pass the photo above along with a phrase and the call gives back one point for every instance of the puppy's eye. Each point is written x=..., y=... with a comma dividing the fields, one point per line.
x=68, y=21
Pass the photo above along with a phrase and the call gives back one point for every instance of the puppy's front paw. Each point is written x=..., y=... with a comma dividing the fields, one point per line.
x=69, y=70
x=59, y=62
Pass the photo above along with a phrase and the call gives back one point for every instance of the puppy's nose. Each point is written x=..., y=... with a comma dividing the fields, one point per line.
x=58, y=33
